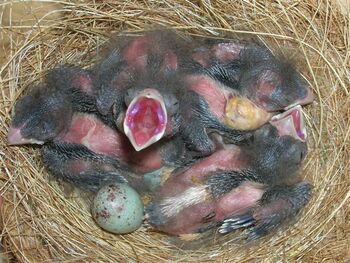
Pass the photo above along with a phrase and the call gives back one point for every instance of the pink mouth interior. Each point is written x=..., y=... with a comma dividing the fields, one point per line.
x=290, y=123
x=295, y=114
x=145, y=119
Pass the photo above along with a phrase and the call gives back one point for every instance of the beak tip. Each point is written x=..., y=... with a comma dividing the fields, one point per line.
x=139, y=148
x=14, y=136
x=310, y=96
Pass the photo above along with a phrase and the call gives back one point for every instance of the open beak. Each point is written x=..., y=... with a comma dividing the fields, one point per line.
x=291, y=122
x=145, y=119
x=14, y=137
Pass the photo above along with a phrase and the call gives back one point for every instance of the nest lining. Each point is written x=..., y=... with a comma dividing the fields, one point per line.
x=41, y=223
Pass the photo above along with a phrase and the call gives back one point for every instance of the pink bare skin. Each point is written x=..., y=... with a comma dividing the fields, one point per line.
x=269, y=81
x=47, y=110
x=89, y=131
x=233, y=180
x=85, y=84
x=223, y=52
x=192, y=218
x=227, y=52
x=133, y=63
x=182, y=225
x=229, y=157
x=126, y=61
x=214, y=93
x=137, y=52
x=240, y=199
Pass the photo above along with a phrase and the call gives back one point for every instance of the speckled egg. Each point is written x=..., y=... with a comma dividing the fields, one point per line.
x=118, y=208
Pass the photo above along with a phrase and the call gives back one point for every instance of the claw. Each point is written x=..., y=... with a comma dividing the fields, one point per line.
x=234, y=223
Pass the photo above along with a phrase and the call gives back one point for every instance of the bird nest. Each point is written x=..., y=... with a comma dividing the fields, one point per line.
x=41, y=223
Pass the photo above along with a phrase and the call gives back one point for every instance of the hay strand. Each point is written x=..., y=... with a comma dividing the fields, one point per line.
x=39, y=223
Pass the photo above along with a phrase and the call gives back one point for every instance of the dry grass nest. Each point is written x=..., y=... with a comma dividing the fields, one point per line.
x=40, y=224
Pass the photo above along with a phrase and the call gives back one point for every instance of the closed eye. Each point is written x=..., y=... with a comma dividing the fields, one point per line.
x=301, y=156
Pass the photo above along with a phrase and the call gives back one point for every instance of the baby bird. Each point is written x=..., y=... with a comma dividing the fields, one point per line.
x=250, y=83
x=61, y=113
x=47, y=109
x=254, y=185
x=142, y=80
x=129, y=56
x=135, y=81
x=222, y=87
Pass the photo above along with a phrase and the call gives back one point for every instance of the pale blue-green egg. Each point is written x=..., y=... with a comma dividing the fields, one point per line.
x=118, y=208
